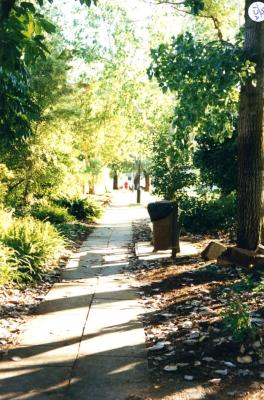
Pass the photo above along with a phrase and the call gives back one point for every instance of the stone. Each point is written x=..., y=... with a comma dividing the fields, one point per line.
x=245, y=257
x=212, y=251
x=242, y=257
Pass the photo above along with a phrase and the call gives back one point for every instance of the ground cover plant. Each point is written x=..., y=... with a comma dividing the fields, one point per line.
x=204, y=324
x=79, y=207
x=51, y=212
x=31, y=243
x=35, y=244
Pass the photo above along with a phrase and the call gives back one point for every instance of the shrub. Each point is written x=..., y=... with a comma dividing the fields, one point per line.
x=51, y=212
x=200, y=215
x=35, y=243
x=80, y=208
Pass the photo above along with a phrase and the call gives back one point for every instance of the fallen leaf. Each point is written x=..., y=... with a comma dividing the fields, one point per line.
x=159, y=346
x=170, y=368
x=187, y=324
x=197, y=363
x=16, y=358
x=222, y=372
x=208, y=359
x=244, y=359
x=229, y=364
x=215, y=380
x=188, y=377
x=182, y=364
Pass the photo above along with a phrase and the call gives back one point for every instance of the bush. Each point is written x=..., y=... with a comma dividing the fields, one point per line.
x=51, y=212
x=35, y=243
x=80, y=208
x=200, y=215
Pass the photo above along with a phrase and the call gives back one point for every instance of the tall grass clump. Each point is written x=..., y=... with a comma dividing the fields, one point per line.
x=35, y=244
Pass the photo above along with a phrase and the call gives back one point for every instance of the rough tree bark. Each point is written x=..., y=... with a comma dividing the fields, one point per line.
x=251, y=149
x=115, y=181
x=147, y=182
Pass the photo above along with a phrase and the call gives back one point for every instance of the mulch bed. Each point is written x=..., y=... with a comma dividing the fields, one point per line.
x=185, y=335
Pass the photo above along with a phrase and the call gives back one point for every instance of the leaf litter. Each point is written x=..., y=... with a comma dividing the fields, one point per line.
x=184, y=304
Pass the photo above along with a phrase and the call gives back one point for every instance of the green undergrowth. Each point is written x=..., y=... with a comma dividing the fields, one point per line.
x=51, y=212
x=30, y=244
x=203, y=215
x=80, y=208
x=245, y=293
x=241, y=296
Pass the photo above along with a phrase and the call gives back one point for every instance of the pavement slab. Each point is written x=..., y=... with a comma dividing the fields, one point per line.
x=145, y=251
x=86, y=340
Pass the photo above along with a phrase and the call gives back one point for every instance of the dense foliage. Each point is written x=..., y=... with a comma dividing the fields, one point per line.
x=197, y=151
x=209, y=156
x=208, y=214
x=70, y=108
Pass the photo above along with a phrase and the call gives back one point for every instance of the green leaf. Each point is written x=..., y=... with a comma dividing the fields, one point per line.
x=28, y=6
x=47, y=26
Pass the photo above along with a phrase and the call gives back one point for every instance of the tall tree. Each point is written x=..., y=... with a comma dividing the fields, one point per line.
x=251, y=147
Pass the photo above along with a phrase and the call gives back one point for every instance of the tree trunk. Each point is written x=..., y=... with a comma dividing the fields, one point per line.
x=137, y=181
x=251, y=151
x=115, y=182
x=147, y=182
x=91, y=186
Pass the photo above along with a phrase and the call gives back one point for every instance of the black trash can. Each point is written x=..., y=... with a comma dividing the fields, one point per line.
x=163, y=215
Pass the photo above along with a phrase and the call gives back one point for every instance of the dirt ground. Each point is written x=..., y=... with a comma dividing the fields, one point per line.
x=191, y=352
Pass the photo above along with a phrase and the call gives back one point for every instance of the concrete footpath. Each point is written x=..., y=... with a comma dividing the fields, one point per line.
x=86, y=341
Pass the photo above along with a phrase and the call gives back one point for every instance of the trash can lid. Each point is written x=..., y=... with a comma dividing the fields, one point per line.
x=160, y=209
